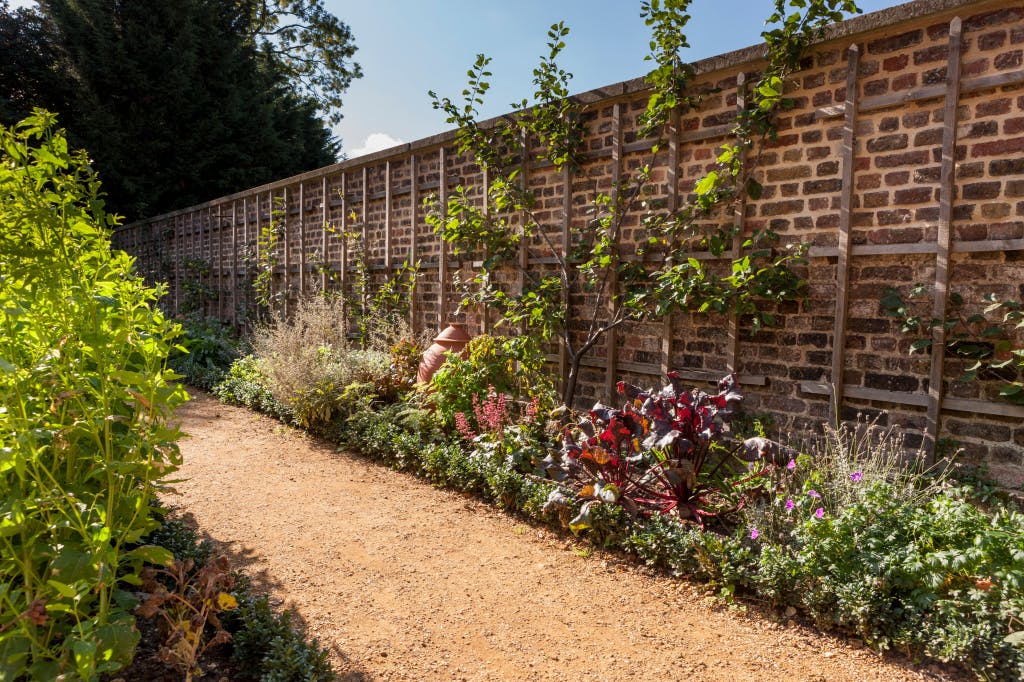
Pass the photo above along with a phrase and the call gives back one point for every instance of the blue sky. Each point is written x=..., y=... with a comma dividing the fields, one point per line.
x=407, y=47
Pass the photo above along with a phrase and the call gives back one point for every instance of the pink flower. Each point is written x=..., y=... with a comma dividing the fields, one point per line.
x=814, y=494
x=791, y=465
x=463, y=427
x=754, y=534
x=790, y=504
x=819, y=513
x=532, y=409
x=856, y=476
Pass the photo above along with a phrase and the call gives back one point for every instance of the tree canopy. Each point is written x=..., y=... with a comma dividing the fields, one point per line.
x=180, y=101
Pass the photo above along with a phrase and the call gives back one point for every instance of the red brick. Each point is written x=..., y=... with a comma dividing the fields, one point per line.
x=991, y=41
x=826, y=168
x=916, y=119
x=810, y=137
x=897, y=178
x=928, y=138
x=894, y=217
x=916, y=195
x=1013, y=126
x=934, y=76
x=1008, y=60
x=995, y=212
x=998, y=147
x=980, y=129
x=815, y=80
x=913, y=158
x=906, y=235
x=936, y=53
x=895, y=63
x=1007, y=166
x=1001, y=16
x=782, y=207
x=904, y=82
x=994, y=107
x=970, y=170
x=897, y=42
x=822, y=186
x=971, y=233
x=814, y=153
x=788, y=173
x=874, y=181
x=1015, y=188
x=875, y=199
x=1014, y=230
x=876, y=87
x=887, y=143
x=822, y=99
x=974, y=68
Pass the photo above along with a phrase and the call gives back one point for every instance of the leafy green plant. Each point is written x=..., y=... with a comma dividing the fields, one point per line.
x=269, y=647
x=990, y=340
x=510, y=366
x=85, y=415
x=206, y=353
x=247, y=383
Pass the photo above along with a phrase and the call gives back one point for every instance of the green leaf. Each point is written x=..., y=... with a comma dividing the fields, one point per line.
x=63, y=590
x=152, y=554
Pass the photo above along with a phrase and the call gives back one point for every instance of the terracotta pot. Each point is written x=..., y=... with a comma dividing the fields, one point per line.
x=453, y=339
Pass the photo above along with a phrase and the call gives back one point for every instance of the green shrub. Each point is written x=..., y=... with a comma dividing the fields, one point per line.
x=246, y=383
x=85, y=405
x=513, y=366
x=180, y=540
x=269, y=647
x=206, y=353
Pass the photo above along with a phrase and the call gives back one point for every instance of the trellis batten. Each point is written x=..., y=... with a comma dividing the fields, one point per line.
x=868, y=167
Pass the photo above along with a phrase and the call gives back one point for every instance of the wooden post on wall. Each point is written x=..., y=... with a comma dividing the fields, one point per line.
x=325, y=259
x=220, y=263
x=302, y=239
x=739, y=220
x=612, y=336
x=286, y=238
x=364, y=210
x=242, y=279
x=343, y=270
x=563, y=349
x=234, y=263
x=943, y=237
x=845, y=207
x=413, y=220
x=387, y=218
x=672, y=177
x=485, y=317
x=179, y=244
x=442, y=264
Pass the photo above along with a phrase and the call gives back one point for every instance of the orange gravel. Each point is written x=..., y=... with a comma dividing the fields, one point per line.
x=403, y=581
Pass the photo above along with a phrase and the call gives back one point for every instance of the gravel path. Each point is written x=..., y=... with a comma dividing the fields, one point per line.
x=406, y=582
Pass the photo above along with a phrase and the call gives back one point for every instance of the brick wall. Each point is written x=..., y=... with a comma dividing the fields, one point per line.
x=859, y=174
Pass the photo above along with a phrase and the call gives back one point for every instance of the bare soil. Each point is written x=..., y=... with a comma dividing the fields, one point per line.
x=403, y=581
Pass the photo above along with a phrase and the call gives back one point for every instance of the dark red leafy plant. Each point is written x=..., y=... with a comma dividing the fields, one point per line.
x=659, y=454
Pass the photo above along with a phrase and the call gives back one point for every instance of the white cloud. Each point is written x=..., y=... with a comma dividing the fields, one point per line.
x=374, y=143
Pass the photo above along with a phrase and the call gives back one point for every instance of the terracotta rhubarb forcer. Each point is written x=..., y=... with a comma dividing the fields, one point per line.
x=454, y=339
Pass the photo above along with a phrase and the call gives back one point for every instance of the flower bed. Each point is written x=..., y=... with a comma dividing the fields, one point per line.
x=842, y=529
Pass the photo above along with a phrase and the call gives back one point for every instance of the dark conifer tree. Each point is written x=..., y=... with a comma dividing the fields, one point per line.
x=174, y=100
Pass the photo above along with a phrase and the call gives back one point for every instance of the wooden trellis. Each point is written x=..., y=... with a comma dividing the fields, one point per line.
x=198, y=234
